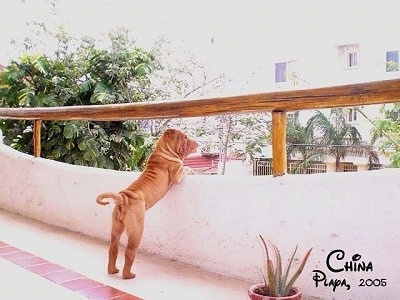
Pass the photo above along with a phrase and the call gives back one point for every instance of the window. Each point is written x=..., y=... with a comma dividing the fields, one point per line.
x=392, y=114
x=350, y=56
x=352, y=115
x=280, y=72
x=293, y=118
x=352, y=60
x=392, y=61
x=349, y=167
x=395, y=115
x=286, y=72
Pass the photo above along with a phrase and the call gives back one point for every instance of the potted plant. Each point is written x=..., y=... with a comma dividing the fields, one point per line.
x=278, y=284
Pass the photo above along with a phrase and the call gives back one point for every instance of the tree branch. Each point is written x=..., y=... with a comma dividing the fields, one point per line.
x=202, y=86
x=383, y=131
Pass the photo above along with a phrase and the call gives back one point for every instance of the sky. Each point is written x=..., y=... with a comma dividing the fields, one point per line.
x=228, y=35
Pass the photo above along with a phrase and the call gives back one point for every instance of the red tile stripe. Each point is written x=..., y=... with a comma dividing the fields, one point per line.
x=62, y=276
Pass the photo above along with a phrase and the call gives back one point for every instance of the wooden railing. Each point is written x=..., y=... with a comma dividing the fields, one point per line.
x=378, y=92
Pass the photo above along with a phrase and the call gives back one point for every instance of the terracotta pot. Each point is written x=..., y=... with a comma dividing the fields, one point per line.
x=254, y=296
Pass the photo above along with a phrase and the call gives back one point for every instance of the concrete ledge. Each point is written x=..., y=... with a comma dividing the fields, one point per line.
x=213, y=221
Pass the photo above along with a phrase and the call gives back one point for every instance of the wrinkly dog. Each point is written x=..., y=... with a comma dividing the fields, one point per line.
x=164, y=168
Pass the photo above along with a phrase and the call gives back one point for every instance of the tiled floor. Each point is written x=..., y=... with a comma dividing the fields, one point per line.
x=38, y=261
x=73, y=281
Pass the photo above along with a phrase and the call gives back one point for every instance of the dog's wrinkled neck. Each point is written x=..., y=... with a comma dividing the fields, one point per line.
x=169, y=153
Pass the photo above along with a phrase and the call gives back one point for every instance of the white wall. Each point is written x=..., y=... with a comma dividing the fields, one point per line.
x=214, y=221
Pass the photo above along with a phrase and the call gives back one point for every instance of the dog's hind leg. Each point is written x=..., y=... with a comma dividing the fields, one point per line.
x=134, y=222
x=116, y=231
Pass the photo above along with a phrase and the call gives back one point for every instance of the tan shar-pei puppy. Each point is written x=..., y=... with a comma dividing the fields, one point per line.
x=164, y=168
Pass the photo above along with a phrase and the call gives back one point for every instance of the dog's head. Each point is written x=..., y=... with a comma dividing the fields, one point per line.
x=179, y=142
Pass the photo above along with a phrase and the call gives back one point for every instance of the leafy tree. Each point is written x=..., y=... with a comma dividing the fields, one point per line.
x=387, y=133
x=239, y=134
x=177, y=77
x=171, y=78
x=300, y=139
x=337, y=137
x=86, y=76
x=185, y=77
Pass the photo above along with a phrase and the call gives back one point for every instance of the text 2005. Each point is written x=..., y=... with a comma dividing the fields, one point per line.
x=372, y=282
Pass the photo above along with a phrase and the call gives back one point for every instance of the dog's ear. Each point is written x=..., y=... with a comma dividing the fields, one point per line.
x=170, y=132
x=183, y=145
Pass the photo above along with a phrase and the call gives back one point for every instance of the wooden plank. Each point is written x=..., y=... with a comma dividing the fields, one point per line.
x=37, y=126
x=387, y=91
x=279, y=161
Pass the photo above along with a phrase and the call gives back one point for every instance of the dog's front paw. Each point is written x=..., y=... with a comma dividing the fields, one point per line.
x=113, y=270
x=128, y=275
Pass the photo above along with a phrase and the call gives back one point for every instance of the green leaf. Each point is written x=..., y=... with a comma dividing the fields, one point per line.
x=13, y=75
x=101, y=93
x=69, y=130
x=142, y=69
x=277, y=281
x=26, y=95
x=298, y=272
x=69, y=144
x=90, y=154
x=41, y=64
x=47, y=100
x=86, y=86
x=83, y=145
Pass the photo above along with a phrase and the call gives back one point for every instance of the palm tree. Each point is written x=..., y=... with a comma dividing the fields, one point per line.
x=337, y=137
x=300, y=139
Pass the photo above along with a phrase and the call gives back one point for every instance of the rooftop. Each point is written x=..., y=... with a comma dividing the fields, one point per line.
x=203, y=162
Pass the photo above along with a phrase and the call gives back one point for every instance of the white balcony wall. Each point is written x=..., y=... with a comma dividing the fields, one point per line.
x=214, y=221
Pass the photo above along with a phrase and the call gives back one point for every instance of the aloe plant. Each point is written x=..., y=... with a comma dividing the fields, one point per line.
x=277, y=282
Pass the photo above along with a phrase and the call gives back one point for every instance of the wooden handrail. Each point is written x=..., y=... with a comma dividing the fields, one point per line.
x=378, y=92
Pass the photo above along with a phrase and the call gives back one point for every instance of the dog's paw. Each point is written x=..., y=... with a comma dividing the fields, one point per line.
x=128, y=276
x=113, y=270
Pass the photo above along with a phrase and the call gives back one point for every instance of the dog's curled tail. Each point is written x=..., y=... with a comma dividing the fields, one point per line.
x=117, y=197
